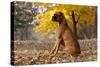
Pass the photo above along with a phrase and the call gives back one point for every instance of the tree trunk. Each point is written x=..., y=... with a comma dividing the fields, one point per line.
x=22, y=35
x=75, y=28
x=26, y=32
x=74, y=24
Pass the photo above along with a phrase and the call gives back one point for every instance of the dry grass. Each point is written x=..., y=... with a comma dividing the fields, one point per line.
x=29, y=52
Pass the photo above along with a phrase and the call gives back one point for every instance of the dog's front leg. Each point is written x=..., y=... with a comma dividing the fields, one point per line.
x=56, y=47
x=52, y=51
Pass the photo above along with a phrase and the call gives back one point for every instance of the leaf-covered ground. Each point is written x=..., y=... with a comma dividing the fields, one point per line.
x=31, y=52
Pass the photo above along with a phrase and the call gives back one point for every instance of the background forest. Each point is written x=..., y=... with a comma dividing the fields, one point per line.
x=36, y=17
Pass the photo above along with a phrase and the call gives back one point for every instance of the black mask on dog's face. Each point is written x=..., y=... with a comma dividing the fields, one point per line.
x=57, y=17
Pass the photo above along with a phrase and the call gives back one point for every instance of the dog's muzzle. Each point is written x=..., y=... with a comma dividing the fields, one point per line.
x=54, y=18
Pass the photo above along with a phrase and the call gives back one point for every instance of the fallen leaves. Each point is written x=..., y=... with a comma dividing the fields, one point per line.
x=29, y=54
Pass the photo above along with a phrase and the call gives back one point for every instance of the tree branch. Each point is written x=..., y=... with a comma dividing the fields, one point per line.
x=78, y=19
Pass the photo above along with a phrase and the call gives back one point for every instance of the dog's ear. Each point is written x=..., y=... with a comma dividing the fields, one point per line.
x=60, y=13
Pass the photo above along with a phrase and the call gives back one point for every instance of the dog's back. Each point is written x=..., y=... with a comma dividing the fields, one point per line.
x=71, y=43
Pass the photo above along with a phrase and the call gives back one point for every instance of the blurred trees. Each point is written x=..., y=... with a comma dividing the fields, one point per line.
x=81, y=19
x=24, y=14
x=23, y=17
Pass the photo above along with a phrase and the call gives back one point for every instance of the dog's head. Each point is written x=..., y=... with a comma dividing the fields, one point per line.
x=57, y=17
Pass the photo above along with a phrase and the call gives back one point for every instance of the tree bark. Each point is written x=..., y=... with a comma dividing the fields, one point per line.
x=74, y=24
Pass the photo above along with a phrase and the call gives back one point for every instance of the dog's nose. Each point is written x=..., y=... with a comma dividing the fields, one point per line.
x=53, y=18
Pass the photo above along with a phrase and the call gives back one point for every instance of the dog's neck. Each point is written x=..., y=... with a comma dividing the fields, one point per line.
x=64, y=22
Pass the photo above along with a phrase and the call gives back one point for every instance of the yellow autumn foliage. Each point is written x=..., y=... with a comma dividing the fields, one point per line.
x=47, y=25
